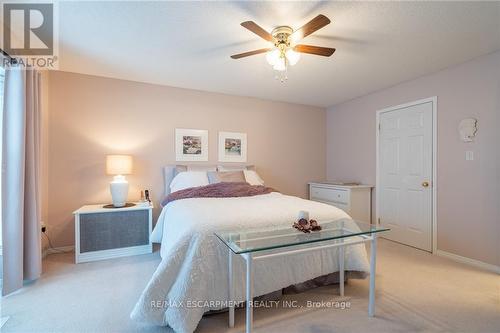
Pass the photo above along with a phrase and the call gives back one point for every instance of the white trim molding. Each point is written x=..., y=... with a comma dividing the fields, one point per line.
x=55, y=250
x=469, y=261
x=434, y=162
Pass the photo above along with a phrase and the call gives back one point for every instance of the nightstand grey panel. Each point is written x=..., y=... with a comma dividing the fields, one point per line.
x=103, y=231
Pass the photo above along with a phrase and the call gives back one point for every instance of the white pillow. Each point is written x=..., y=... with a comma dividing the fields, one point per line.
x=188, y=179
x=252, y=177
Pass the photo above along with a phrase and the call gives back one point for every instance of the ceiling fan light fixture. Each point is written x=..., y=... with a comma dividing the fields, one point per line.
x=280, y=65
x=292, y=56
x=273, y=57
x=286, y=52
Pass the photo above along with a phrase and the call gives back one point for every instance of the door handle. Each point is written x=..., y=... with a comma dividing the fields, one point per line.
x=425, y=184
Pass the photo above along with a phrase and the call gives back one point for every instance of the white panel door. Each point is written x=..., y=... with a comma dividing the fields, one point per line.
x=405, y=174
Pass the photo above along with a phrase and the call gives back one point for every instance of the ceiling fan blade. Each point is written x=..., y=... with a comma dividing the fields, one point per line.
x=256, y=29
x=250, y=53
x=315, y=24
x=317, y=50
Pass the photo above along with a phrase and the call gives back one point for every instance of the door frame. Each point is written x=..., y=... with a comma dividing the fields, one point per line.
x=433, y=180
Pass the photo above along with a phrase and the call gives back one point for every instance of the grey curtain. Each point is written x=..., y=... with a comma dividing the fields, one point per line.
x=20, y=178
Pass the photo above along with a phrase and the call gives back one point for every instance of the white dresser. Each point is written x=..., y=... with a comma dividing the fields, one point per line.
x=355, y=200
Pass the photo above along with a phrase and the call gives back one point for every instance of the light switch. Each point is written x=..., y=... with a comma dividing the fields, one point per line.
x=469, y=155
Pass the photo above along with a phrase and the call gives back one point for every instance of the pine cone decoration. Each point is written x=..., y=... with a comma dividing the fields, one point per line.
x=307, y=226
x=314, y=225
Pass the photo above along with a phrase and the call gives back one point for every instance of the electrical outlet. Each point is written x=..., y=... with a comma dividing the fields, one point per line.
x=44, y=227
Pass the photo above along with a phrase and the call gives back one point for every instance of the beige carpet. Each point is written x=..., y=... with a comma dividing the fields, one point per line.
x=416, y=292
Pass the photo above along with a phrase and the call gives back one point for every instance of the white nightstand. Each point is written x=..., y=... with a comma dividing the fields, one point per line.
x=104, y=233
x=355, y=200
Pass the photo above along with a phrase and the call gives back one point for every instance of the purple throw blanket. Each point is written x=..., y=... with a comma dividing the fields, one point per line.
x=218, y=190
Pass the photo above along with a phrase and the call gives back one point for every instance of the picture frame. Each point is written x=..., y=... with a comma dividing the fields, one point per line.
x=191, y=145
x=232, y=147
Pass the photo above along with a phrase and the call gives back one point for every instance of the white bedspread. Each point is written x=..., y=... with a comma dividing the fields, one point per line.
x=195, y=263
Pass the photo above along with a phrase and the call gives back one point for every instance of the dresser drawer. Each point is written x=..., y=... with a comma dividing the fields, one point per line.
x=342, y=206
x=329, y=194
x=339, y=205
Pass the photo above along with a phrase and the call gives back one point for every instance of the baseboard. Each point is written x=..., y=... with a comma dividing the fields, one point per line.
x=53, y=250
x=469, y=261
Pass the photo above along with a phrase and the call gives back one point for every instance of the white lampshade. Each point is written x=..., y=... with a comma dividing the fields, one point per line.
x=280, y=65
x=273, y=57
x=118, y=164
x=292, y=56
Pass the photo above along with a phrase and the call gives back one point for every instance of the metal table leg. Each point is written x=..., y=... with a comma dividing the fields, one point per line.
x=373, y=263
x=231, y=289
x=249, y=292
x=341, y=269
x=341, y=263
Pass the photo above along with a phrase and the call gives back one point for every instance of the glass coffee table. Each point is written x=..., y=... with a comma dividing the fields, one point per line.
x=258, y=244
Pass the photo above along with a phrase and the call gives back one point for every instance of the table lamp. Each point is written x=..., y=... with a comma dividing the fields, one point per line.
x=119, y=165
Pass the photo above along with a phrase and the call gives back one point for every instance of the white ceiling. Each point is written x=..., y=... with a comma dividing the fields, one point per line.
x=188, y=44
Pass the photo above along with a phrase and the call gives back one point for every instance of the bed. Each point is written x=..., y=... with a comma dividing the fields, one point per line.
x=192, y=278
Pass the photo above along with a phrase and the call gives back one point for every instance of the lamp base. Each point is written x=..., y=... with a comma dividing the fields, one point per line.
x=119, y=191
x=128, y=204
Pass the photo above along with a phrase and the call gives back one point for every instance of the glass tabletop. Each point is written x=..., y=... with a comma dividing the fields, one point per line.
x=252, y=240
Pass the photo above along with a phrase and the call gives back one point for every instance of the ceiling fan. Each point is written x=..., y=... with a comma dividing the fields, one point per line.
x=284, y=52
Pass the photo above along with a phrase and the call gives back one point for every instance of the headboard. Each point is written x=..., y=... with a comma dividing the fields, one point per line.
x=170, y=171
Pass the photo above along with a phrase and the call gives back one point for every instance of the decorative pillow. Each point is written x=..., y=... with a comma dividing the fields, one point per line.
x=226, y=177
x=194, y=167
x=238, y=167
x=188, y=179
x=252, y=177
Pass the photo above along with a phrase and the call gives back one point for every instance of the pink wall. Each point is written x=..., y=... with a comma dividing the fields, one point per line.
x=468, y=191
x=90, y=117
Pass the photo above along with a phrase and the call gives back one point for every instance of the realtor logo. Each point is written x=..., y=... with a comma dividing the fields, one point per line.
x=30, y=34
x=28, y=29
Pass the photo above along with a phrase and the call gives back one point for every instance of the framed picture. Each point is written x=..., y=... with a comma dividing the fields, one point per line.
x=232, y=147
x=191, y=145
